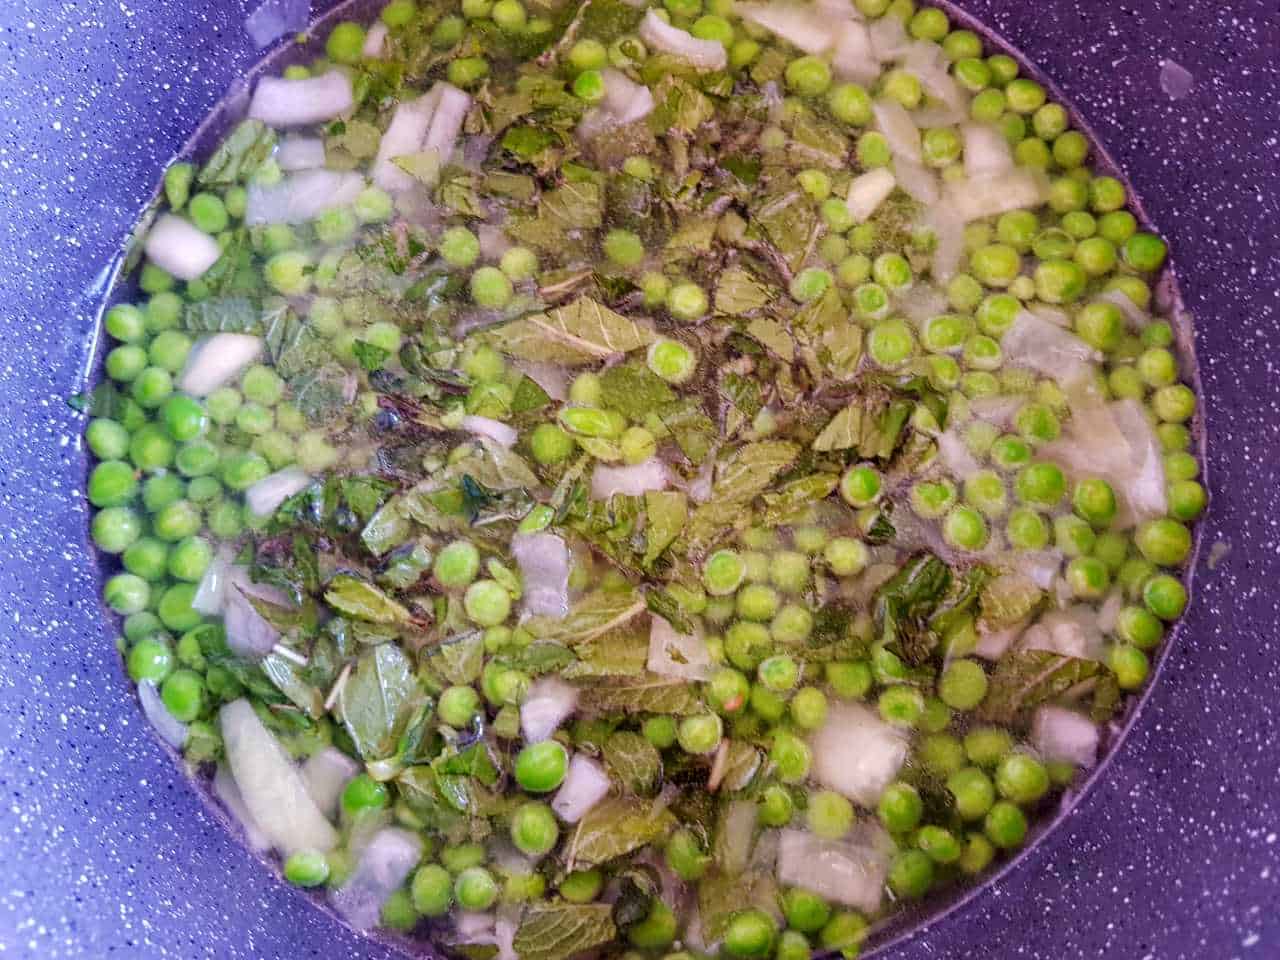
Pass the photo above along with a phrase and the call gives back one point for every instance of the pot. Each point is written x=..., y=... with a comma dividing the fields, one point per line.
x=1170, y=851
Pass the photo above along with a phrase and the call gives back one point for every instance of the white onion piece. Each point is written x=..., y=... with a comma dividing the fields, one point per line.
x=172, y=730
x=385, y=864
x=302, y=196
x=178, y=247
x=374, y=41
x=279, y=102
x=916, y=181
x=898, y=128
x=543, y=559
x=1048, y=349
x=850, y=872
x=504, y=435
x=446, y=121
x=225, y=789
x=625, y=101
x=1109, y=611
x=549, y=703
x=1072, y=632
x=551, y=377
x=248, y=632
x=990, y=196
x=210, y=594
x=1137, y=317
x=275, y=18
x=217, y=360
x=681, y=656
x=867, y=192
x=702, y=54
x=1062, y=735
x=856, y=753
x=853, y=58
x=585, y=784
x=993, y=644
x=1142, y=487
x=888, y=38
x=493, y=241
x=986, y=151
x=404, y=136
x=271, y=786
x=326, y=774
x=297, y=152
x=921, y=302
x=268, y=493
x=999, y=409
x=736, y=834
x=954, y=454
x=801, y=25
x=652, y=474
x=948, y=233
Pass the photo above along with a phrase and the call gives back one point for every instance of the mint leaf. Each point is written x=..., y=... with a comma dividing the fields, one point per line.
x=361, y=599
x=578, y=333
x=557, y=931
x=378, y=700
x=615, y=827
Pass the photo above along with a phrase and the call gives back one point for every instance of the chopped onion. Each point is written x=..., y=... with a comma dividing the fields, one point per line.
x=272, y=787
x=585, y=785
x=998, y=409
x=268, y=493
x=1063, y=735
x=867, y=192
x=551, y=377
x=853, y=58
x=1116, y=442
x=1175, y=79
x=300, y=153
x=405, y=133
x=225, y=789
x=948, y=234
x=489, y=930
x=274, y=18
x=302, y=196
x=446, y=121
x=974, y=199
x=888, y=38
x=625, y=101
x=851, y=872
x=385, y=864
x=986, y=151
x=217, y=360
x=954, y=454
x=326, y=773
x=374, y=41
x=632, y=481
x=493, y=242
x=180, y=248
x=702, y=54
x=682, y=656
x=279, y=102
x=801, y=25
x=948, y=103
x=921, y=302
x=898, y=128
x=1137, y=317
x=917, y=182
x=500, y=433
x=1109, y=612
x=172, y=730
x=543, y=559
x=1072, y=632
x=1048, y=349
x=736, y=835
x=993, y=644
x=856, y=753
x=210, y=594
x=549, y=703
x=248, y=632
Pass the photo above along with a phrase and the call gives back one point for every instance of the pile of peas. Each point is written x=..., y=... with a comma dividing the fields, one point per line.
x=173, y=468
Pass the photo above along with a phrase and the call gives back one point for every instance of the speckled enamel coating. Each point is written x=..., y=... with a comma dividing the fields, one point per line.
x=107, y=852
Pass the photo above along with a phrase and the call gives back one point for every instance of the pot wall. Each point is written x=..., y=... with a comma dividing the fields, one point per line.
x=108, y=852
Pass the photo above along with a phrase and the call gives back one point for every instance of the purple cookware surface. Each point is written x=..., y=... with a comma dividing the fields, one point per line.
x=106, y=851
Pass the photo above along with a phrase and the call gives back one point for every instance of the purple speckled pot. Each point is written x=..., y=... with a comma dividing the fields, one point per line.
x=107, y=852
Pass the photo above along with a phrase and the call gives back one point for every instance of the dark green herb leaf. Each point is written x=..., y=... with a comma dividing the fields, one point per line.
x=633, y=390
x=359, y=598
x=617, y=826
x=287, y=676
x=903, y=604
x=245, y=149
x=370, y=356
x=633, y=761
x=594, y=614
x=653, y=694
x=378, y=700
x=580, y=332
x=665, y=513
x=558, y=931
x=1024, y=679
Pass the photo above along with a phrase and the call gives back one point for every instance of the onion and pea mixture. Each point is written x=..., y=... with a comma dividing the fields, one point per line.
x=665, y=480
